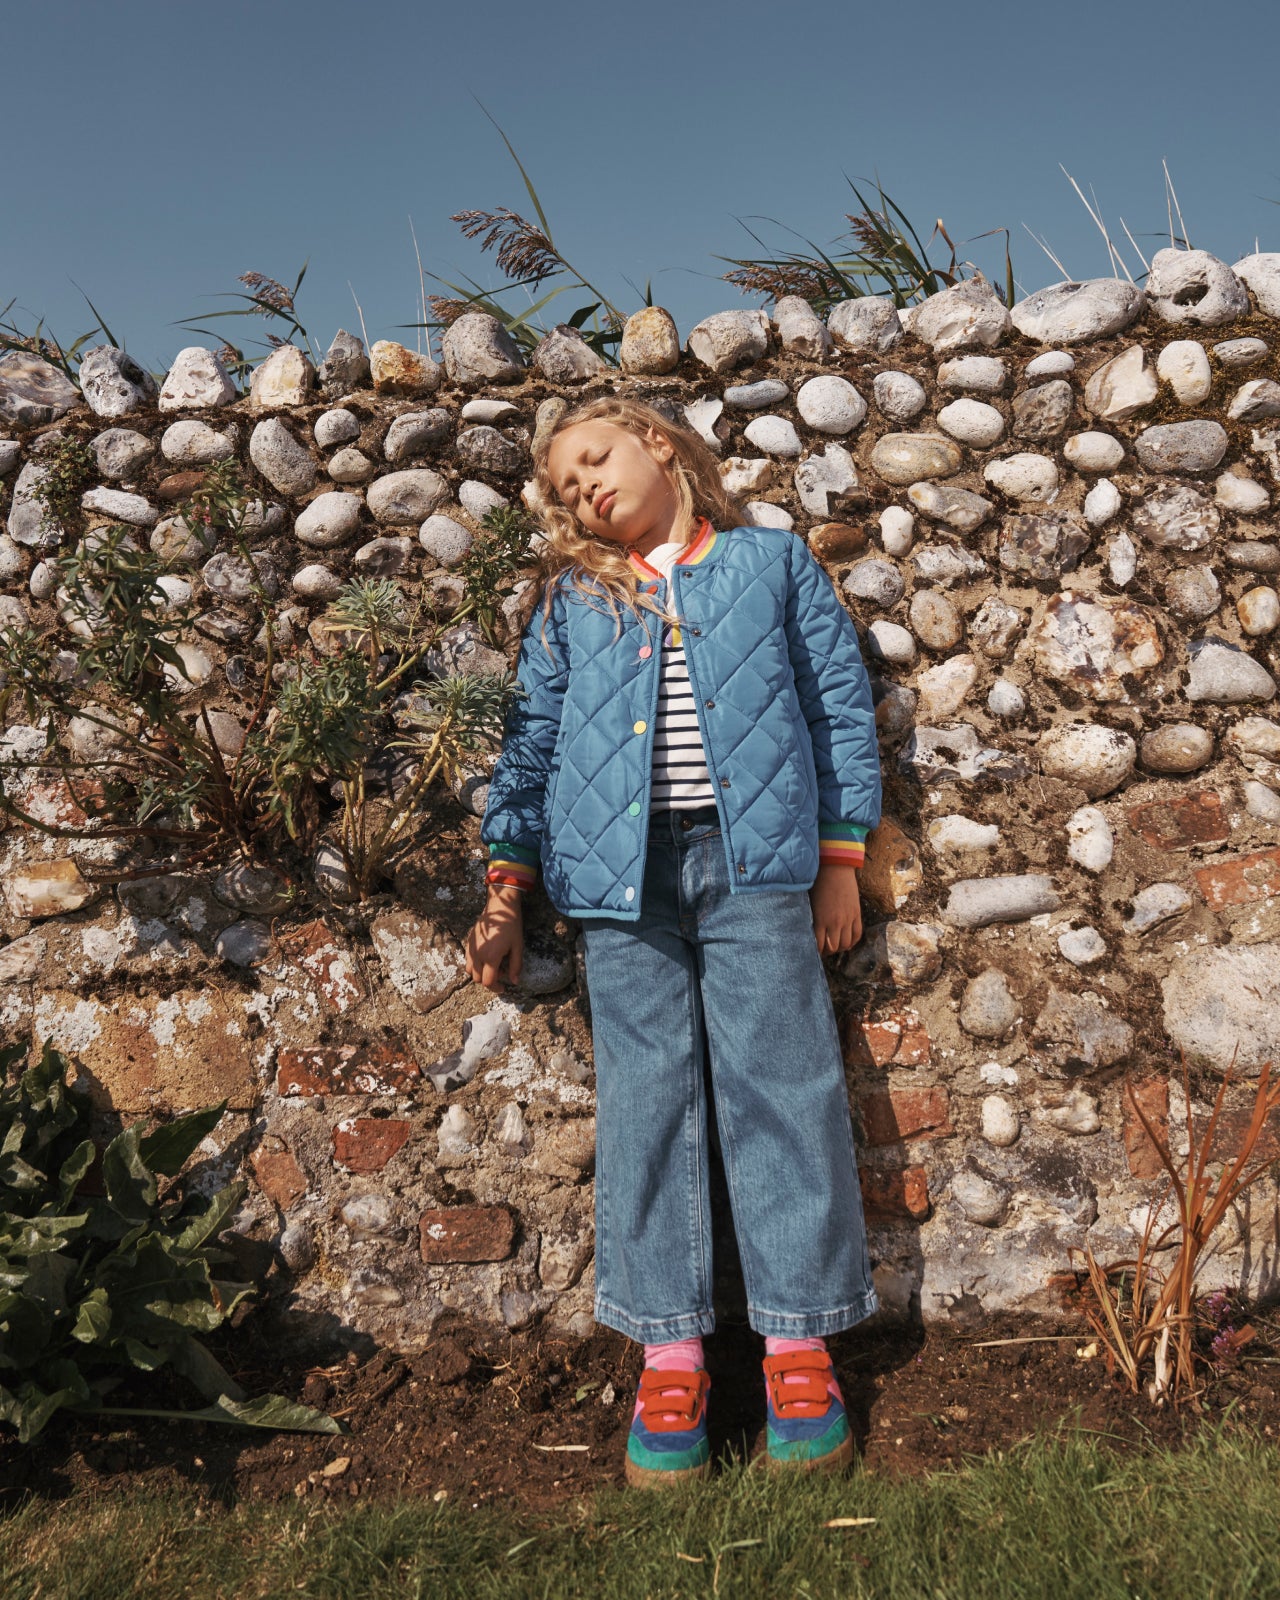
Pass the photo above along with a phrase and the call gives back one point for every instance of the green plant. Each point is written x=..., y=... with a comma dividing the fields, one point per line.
x=882, y=254
x=156, y=773
x=266, y=298
x=37, y=343
x=92, y=1287
x=1148, y=1317
x=490, y=568
x=339, y=712
x=68, y=467
x=528, y=256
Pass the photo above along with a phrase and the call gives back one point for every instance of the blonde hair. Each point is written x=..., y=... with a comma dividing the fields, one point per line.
x=597, y=567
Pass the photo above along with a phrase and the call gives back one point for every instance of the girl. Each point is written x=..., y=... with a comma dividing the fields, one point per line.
x=693, y=763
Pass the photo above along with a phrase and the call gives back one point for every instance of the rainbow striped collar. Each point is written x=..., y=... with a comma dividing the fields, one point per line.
x=698, y=549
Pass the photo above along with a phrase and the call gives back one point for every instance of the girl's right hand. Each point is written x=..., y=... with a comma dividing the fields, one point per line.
x=497, y=936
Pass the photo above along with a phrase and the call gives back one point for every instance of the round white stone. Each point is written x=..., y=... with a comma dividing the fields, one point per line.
x=478, y=499
x=195, y=444
x=898, y=396
x=764, y=514
x=329, y=519
x=1093, y=452
x=1052, y=364
x=1000, y=1124
x=1261, y=801
x=1122, y=560
x=774, y=435
x=1006, y=700
x=831, y=405
x=1025, y=476
x=1090, y=841
x=1082, y=946
x=339, y=426
x=972, y=422
x=892, y=643
x=1259, y=611
x=1184, y=366
x=972, y=375
x=1101, y=503
x=316, y=582
x=448, y=541
x=897, y=530
x=1240, y=494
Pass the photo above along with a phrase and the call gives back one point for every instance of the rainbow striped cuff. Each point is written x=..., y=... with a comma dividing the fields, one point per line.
x=513, y=864
x=841, y=844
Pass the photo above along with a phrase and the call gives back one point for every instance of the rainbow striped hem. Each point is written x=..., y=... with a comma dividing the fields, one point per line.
x=841, y=844
x=698, y=549
x=513, y=864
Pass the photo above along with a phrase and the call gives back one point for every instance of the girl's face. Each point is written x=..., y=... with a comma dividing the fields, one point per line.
x=618, y=484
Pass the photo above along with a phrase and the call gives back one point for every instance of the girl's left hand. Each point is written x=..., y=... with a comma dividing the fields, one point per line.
x=837, y=909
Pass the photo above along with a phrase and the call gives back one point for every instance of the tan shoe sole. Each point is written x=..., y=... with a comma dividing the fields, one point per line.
x=834, y=1461
x=652, y=1478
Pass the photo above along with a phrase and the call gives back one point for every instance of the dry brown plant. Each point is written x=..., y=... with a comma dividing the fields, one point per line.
x=1147, y=1316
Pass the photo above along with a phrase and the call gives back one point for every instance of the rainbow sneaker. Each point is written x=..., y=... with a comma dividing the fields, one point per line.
x=808, y=1429
x=668, y=1439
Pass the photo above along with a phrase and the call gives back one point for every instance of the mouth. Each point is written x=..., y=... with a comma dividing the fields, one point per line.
x=604, y=504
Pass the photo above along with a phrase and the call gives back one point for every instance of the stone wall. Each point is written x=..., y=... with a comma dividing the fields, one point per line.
x=1055, y=531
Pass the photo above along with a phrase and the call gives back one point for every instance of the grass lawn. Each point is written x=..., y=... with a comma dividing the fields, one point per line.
x=1060, y=1516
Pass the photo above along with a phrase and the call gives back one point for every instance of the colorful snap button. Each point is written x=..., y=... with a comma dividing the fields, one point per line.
x=640, y=726
x=645, y=652
x=634, y=808
x=629, y=893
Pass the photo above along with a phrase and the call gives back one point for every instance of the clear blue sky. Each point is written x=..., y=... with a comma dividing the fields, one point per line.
x=155, y=149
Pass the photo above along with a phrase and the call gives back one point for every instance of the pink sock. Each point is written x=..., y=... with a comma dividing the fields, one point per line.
x=785, y=1347
x=682, y=1355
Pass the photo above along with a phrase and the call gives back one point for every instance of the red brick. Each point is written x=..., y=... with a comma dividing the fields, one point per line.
x=1178, y=824
x=894, y=1196
x=1232, y=883
x=347, y=1069
x=899, y=1041
x=366, y=1144
x=467, y=1233
x=1152, y=1094
x=891, y=1115
x=279, y=1176
x=328, y=961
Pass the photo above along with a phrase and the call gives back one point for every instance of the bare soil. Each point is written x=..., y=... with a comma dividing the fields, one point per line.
x=479, y=1419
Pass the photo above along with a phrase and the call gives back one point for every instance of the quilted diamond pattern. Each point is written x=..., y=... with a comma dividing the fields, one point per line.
x=789, y=731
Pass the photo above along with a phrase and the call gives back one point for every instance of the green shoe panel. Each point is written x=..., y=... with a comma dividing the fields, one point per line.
x=824, y=1444
x=669, y=1460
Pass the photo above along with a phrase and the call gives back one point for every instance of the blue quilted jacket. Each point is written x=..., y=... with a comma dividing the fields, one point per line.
x=784, y=709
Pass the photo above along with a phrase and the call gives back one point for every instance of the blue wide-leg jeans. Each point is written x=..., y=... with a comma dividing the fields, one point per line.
x=738, y=977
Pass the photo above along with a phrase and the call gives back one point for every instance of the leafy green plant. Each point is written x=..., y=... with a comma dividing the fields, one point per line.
x=160, y=776
x=92, y=1287
x=341, y=711
x=491, y=567
x=1149, y=1318
x=882, y=253
x=68, y=468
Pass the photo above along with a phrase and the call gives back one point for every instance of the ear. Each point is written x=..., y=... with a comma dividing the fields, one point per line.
x=657, y=443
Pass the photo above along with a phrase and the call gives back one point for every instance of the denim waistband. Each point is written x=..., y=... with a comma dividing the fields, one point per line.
x=676, y=822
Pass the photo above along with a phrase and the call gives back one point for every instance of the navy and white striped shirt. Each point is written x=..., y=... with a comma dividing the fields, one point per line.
x=680, y=777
